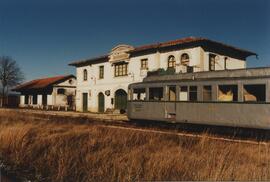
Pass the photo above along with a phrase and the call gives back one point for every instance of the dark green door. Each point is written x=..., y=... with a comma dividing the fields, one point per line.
x=101, y=102
x=85, y=102
x=120, y=99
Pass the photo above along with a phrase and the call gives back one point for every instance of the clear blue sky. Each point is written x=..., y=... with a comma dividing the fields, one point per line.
x=44, y=36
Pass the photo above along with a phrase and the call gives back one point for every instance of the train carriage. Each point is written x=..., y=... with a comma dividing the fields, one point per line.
x=236, y=98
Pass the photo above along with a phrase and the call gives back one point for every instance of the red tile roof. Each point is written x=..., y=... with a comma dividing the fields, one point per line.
x=183, y=41
x=166, y=44
x=189, y=40
x=42, y=83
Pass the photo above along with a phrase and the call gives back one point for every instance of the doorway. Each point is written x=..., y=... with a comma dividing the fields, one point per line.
x=121, y=99
x=101, y=102
x=85, y=102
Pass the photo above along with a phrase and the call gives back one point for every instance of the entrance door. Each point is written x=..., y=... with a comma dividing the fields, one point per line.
x=101, y=102
x=85, y=102
x=121, y=99
x=70, y=100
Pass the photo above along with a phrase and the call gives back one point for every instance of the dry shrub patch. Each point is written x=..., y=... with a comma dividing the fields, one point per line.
x=53, y=150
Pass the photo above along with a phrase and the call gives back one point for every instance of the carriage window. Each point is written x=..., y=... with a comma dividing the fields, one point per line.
x=254, y=93
x=172, y=93
x=139, y=94
x=193, y=93
x=183, y=95
x=156, y=93
x=207, y=93
x=227, y=93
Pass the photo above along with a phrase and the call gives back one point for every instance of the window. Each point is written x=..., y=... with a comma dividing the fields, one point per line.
x=120, y=69
x=183, y=95
x=190, y=69
x=172, y=93
x=207, y=93
x=185, y=62
x=144, y=64
x=61, y=91
x=156, y=93
x=185, y=59
x=35, y=99
x=85, y=75
x=254, y=93
x=212, y=62
x=193, y=93
x=101, y=72
x=139, y=94
x=227, y=93
x=26, y=99
x=171, y=62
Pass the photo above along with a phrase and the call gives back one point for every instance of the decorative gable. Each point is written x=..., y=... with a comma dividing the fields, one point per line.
x=120, y=53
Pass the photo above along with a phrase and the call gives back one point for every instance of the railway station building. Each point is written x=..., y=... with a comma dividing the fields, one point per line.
x=102, y=82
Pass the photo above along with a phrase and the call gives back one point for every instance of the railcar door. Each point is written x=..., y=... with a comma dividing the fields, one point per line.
x=170, y=104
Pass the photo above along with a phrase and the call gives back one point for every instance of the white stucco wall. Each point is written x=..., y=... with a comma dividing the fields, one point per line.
x=93, y=86
x=22, y=97
x=231, y=63
x=199, y=59
x=39, y=100
x=49, y=100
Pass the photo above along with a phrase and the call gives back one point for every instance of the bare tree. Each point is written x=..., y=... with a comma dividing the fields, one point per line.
x=10, y=75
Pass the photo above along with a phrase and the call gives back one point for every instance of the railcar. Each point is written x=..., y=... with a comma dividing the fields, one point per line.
x=235, y=98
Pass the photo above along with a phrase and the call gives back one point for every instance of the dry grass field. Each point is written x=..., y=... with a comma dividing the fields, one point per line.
x=59, y=149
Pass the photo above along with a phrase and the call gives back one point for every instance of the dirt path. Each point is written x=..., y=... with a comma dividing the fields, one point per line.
x=108, y=117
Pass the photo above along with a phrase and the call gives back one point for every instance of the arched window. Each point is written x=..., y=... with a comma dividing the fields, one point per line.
x=171, y=62
x=85, y=75
x=185, y=59
x=185, y=62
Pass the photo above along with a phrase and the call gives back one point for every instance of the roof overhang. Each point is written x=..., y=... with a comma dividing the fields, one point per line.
x=41, y=84
x=90, y=61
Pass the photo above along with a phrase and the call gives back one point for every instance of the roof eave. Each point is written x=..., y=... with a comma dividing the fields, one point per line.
x=86, y=62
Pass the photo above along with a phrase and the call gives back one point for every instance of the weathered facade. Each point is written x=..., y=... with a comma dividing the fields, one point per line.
x=102, y=83
x=53, y=92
